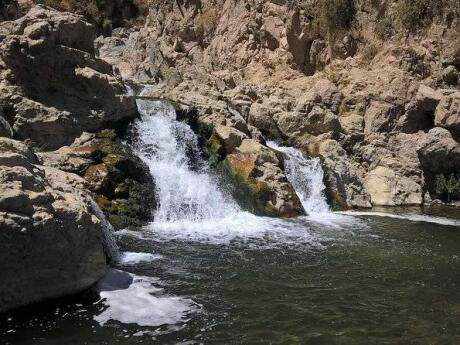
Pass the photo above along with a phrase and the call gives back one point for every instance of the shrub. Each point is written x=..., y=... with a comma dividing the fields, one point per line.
x=415, y=14
x=384, y=28
x=447, y=187
x=101, y=12
x=369, y=52
x=335, y=15
x=206, y=22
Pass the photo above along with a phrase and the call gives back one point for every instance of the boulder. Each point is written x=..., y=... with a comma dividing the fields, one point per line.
x=447, y=113
x=259, y=183
x=387, y=188
x=51, y=243
x=52, y=83
x=120, y=182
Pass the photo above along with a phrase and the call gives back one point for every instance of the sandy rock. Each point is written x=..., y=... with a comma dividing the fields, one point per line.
x=49, y=228
x=387, y=188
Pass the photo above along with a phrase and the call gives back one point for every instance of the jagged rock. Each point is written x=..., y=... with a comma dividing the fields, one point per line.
x=51, y=82
x=120, y=182
x=259, y=183
x=448, y=112
x=5, y=128
x=49, y=229
x=420, y=110
x=439, y=152
x=343, y=184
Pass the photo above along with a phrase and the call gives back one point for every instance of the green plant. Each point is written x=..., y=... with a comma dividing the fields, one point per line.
x=335, y=15
x=416, y=14
x=384, y=28
x=447, y=187
x=369, y=52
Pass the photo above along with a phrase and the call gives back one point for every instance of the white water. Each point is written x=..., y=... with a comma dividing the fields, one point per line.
x=185, y=190
x=144, y=304
x=410, y=217
x=306, y=176
x=191, y=204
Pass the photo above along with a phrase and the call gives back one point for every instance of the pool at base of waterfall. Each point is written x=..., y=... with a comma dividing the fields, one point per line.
x=205, y=272
x=357, y=280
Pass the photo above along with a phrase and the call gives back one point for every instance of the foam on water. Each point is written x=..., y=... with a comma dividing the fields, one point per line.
x=144, y=304
x=410, y=217
x=131, y=258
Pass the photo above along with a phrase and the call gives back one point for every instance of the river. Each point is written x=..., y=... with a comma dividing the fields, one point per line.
x=206, y=272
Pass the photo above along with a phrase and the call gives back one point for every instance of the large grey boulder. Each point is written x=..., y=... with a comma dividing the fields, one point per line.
x=51, y=243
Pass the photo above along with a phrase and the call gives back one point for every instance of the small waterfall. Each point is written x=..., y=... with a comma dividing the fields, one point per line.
x=185, y=189
x=110, y=244
x=306, y=176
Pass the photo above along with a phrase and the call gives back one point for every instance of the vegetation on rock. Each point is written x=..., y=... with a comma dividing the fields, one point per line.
x=447, y=188
x=106, y=14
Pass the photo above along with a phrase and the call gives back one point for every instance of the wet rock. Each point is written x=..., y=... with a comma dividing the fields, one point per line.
x=120, y=181
x=259, y=183
x=48, y=227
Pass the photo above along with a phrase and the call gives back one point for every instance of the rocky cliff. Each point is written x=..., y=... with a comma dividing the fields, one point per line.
x=368, y=86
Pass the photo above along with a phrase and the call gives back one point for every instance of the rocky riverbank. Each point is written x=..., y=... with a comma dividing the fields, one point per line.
x=53, y=91
x=376, y=96
x=369, y=95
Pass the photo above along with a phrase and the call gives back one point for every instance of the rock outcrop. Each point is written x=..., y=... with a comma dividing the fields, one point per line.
x=52, y=87
x=254, y=171
x=120, y=181
x=51, y=243
x=361, y=98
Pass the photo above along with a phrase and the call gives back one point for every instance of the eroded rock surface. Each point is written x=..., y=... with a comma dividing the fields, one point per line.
x=360, y=102
x=51, y=243
x=52, y=87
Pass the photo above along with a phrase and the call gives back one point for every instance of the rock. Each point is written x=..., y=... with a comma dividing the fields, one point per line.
x=439, y=153
x=49, y=229
x=450, y=75
x=420, y=111
x=260, y=185
x=5, y=128
x=71, y=90
x=447, y=113
x=387, y=188
x=344, y=187
x=120, y=181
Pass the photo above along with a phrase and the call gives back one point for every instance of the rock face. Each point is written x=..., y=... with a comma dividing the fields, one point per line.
x=363, y=105
x=51, y=243
x=52, y=87
x=254, y=171
x=120, y=181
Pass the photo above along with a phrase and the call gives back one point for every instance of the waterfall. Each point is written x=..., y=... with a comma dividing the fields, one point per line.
x=191, y=204
x=306, y=176
x=185, y=189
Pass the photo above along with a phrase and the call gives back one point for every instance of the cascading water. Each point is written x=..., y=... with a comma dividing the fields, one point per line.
x=191, y=204
x=185, y=189
x=306, y=176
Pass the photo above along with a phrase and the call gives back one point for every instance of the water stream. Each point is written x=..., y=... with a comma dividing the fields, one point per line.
x=206, y=272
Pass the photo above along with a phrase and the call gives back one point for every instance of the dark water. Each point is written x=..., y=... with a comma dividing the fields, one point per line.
x=375, y=280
